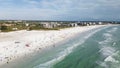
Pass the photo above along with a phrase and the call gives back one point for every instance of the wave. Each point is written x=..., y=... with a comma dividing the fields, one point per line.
x=111, y=59
x=107, y=51
x=107, y=35
x=67, y=51
x=109, y=54
x=59, y=57
x=105, y=42
x=108, y=39
x=102, y=64
x=113, y=30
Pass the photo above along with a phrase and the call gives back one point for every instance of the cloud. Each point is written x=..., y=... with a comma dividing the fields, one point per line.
x=60, y=9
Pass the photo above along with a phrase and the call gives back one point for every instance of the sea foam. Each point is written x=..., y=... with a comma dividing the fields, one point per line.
x=65, y=52
x=112, y=30
x=111, y=59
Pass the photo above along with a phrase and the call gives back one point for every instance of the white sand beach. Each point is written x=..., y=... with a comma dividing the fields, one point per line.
x=20, y=43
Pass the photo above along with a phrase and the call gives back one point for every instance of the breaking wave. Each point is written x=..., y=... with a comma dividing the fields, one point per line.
x=67, y=51
x=113, y=30
x=108, y=51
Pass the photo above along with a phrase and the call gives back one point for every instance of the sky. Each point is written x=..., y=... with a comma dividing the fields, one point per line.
x=60, y=10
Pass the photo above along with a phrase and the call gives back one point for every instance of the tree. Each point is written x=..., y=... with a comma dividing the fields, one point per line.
x=3, y=27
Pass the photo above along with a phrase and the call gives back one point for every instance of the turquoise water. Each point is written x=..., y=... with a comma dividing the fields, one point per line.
x=97, y=48
x=101, y=50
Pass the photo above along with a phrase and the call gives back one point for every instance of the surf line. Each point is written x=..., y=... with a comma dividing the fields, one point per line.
x=67, y=51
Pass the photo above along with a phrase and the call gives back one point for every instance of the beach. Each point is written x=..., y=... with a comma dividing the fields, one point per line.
x=16, y=44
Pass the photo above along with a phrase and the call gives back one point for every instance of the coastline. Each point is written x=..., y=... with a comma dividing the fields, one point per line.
x=27, y=42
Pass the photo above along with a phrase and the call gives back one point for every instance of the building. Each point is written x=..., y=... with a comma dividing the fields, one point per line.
x=46, y=25
x=73, y=24
x=14, y=29
x=49, y=24
x=26, y=24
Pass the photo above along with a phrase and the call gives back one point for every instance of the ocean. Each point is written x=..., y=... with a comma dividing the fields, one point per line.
x=100, y=50
x=97, y=48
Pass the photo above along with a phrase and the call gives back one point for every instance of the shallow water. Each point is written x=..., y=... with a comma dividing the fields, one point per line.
x=101, y=50
x=67, y=48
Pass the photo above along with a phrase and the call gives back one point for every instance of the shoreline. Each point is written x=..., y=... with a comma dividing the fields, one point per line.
x=53, y=36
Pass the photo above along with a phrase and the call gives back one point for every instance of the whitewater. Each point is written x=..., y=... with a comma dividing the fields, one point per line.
x=100, y=50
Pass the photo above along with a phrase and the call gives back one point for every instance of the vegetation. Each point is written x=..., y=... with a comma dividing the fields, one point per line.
x=6, y=26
